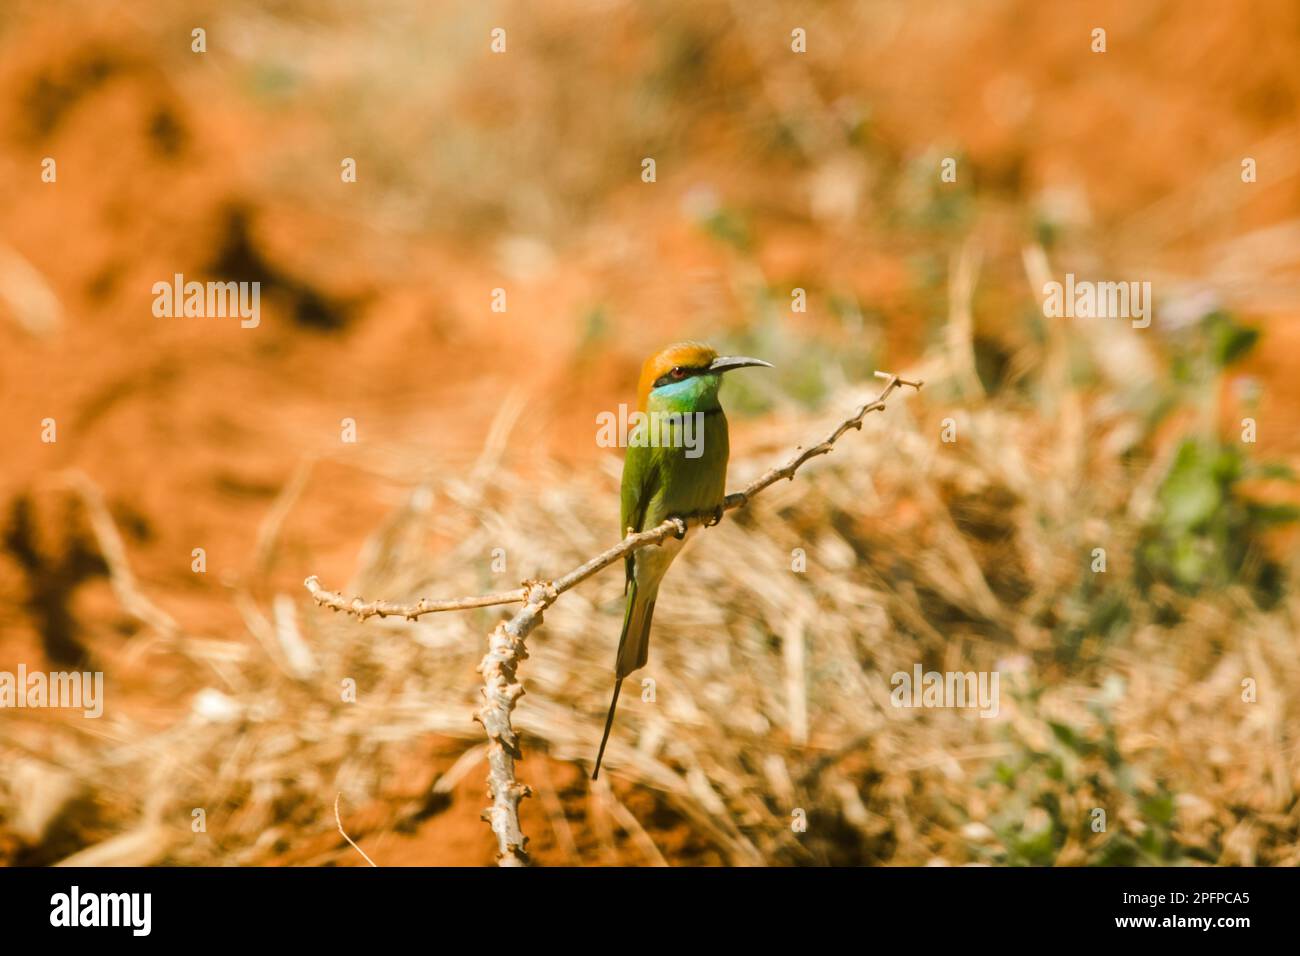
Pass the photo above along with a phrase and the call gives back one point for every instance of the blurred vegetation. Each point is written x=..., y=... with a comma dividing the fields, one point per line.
x=1070, y=784
x=1208, y=531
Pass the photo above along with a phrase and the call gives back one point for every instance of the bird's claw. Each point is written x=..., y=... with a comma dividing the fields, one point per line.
x=681, y=526
x=715, y=516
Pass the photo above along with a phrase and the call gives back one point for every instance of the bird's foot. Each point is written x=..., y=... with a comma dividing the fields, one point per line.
x=715, y=516
x=681, y=526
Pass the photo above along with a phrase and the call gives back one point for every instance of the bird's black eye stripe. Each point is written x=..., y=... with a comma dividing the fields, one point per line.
x=682, y=373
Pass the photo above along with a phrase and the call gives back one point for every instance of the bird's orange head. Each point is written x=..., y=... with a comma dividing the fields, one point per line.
x=683, y=357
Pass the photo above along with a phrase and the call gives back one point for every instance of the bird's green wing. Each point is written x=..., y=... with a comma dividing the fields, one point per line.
x=640, y=480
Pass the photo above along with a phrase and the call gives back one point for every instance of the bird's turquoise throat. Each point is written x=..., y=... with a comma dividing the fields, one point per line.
x=699, y=393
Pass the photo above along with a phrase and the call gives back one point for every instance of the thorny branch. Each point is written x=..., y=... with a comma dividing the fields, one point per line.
x=506, y=648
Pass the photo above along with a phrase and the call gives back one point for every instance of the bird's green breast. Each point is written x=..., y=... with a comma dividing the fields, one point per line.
x=667, y=480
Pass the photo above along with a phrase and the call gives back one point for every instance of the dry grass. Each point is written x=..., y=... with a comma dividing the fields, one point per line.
x=771, y=686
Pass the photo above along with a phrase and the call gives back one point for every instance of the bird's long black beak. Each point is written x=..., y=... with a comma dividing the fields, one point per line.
x=725, y=363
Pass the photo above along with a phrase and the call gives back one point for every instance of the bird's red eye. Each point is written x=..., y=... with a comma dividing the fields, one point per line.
x=678, y=372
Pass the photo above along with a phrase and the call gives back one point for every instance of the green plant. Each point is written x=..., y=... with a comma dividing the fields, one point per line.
x=1057, y=784
x=1206, y=532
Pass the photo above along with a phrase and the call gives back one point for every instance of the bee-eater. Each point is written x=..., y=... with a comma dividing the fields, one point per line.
x=677, y=468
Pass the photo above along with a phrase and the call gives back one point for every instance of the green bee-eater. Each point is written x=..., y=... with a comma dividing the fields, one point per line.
x=676, y=465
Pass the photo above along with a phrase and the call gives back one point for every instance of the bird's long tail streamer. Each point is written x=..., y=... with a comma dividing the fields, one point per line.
x=609, y=723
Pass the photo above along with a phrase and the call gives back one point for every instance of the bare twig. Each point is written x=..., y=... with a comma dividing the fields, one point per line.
x=364, y=609
x=626, y=819
x=506, y=648
x=965, y=269
x=555, y=810
x=345, y=832
x=27, y=292
x=268, y=532
x=123, y=581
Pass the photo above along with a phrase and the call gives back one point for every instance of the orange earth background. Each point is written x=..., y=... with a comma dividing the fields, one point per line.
x=522, y=171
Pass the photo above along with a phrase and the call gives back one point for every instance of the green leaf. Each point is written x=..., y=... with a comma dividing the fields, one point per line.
x=1066, y=735
x=1190, y=494
x=1159, y=809
x=1229, y=340
x=1272, y=469
x=1188, y=562
x=1273, y=514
